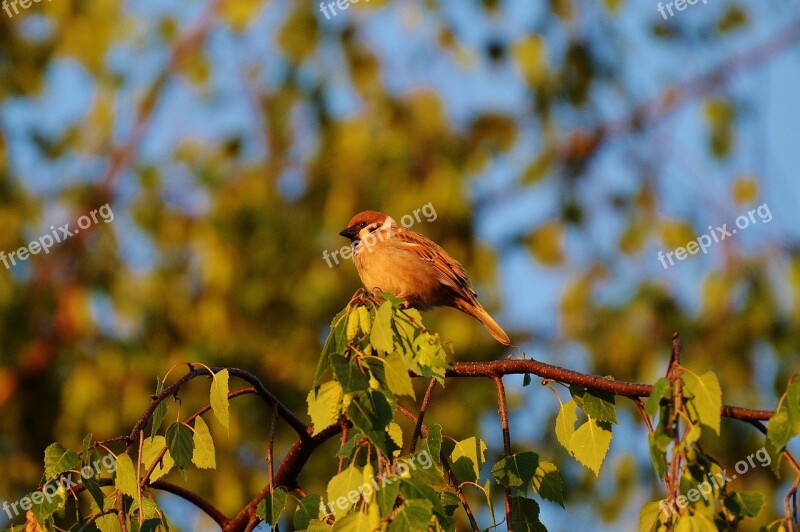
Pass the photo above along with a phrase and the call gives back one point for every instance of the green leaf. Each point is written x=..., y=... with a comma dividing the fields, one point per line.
x=517, y=470
x=413, y=516
x=370, y=413
x=707, y=397
x=87, y=444
x=600, y=406
x=745, y=503
x=45, y=504
x=395, y=434
x=792, y=403
x=775, y=454
x=149, y=508
x=270, y=508
x=108, y=523
x=325, y=405
x=658, y=447
x=219, y=400
x=307, y=510
x=180, y=444
x=526, y=379
x=468, y=458
x=357, y=522
x=547, y=482
x=450, y=501
x=203, y=455
x=648, y=516
x=430, y=356
x=397, y=377
x=57, y=460
x=104, y=526
x=341, y=489
x=407, y=322
x=411, y=488
x=525, y=515
x=388, y=489
x=661, y=389
x=161, y=410
x=565, y=423
x=150, y=450
x=318, y=526
x=692, y=434
x=148, y=525
x=94, y=490
x=349, y=447
x=382, y=337
x=779, y=428
x=589, y=444
x=695, y=523
x=433, y=443
x=331, y=345
x=349, y=374
x=126, y=476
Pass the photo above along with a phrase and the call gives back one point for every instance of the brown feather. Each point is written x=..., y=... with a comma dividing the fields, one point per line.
x=403, y=262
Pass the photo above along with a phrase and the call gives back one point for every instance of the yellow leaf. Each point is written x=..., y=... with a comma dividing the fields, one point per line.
x=676, y=233
x=531, y=55
x=633, y=239
x=745, y=190
x=239, y=13
x=547, y=243
x=719, y=113
x=716, y=295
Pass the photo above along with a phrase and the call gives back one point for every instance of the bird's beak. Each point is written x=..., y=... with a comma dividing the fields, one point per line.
x=349, y=232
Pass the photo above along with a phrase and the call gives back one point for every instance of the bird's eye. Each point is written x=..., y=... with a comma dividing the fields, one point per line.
x=361, y=225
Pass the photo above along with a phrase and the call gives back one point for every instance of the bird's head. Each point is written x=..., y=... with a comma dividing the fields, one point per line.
x=365, y=223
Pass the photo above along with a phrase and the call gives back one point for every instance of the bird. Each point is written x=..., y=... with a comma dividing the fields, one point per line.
x=402, y=262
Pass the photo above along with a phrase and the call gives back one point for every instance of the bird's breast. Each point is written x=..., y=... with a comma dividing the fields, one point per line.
x=394, y=268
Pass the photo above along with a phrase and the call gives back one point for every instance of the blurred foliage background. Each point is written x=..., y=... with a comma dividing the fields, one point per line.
x=561, y=143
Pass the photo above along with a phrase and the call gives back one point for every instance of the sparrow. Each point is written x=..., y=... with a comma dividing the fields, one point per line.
x=400, y=261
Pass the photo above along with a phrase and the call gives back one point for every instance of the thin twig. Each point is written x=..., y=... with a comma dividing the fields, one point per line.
x=674, y=375
x=425, y=400
x=640, y=406
x=503, y=409
x=345, y=435
x=270, y=451
x=260, y=389
x=120, y=508
x=451, y=477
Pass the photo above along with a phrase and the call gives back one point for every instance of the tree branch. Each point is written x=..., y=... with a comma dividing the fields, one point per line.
x=287, y=473
x=193, y=498
x=259, y=387
x=502, y=407
x=422, y=408
x=498, y=368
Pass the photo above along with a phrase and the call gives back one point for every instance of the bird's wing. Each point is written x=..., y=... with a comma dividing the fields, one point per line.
x=448, y=270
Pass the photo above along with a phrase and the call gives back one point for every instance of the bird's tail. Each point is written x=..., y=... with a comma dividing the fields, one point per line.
x=476, y=310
